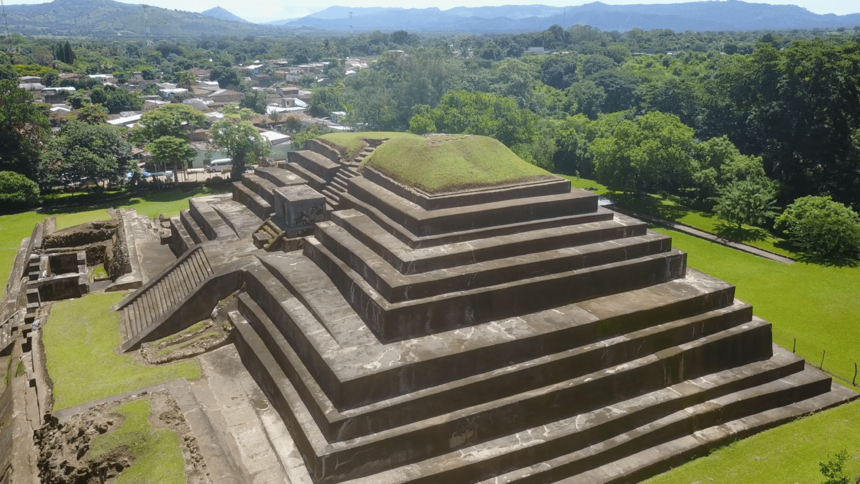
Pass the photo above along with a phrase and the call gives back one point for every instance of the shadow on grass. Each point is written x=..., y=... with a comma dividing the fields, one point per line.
x=743, y=234
x=132, y=199
x=652, y=205
x=847, y=262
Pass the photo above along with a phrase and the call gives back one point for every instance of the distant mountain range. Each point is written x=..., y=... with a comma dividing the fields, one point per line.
x=222, y=14
x=108, y=18
x=698, y=16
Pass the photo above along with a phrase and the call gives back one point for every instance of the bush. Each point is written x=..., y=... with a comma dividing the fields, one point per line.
x=16, y=190
x=824, y=230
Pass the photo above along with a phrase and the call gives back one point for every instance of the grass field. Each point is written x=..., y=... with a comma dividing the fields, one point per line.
x=451, y=162
x=817, y=305
x=15, y=227
x=670, y=209
x=80, y=338
x=787, y=454
x=156, y=454
x=352, y=141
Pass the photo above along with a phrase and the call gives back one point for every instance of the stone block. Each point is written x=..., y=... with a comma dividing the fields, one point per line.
x=299, y=207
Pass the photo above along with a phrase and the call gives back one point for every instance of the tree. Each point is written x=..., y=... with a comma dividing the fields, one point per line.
x=324, y=101
x=256, y=101
x=825, y=231
x=86, y=152
x=92, y=114
x=185, y=79
x=170, y=120
x=587, y=98
x=242, y=141
x=16, y=190
x=147, y=73
x=120, y=100
x=170, y=151
x=833, y=467
x=98, y=96
x=23, y=130
x=748, y=202
x=227, y=77
x=652, y=153
x=559, y=71
x=593, y=64
x=721, y=163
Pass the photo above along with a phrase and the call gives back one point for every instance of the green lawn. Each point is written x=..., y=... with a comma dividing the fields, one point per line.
x=451, y=162
x=80, y=338
x=786, y=454
x=156, y=454
x=817, y=305
x=15, y=227
x=671, y=209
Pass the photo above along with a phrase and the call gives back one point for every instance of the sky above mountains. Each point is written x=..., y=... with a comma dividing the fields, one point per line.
x=266, y=10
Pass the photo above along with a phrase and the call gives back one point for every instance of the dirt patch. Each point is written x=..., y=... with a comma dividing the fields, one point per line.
x=64, y=448
x=205, y=336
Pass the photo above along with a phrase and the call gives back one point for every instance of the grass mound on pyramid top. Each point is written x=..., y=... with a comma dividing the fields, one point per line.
x=440, y=164
x=351, y=141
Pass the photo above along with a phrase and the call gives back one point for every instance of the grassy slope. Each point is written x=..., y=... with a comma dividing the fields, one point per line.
x=352, y=141
x=441, y=164
x=80, y=338
x=15, y=227
x=156, y=453
x=787, y=454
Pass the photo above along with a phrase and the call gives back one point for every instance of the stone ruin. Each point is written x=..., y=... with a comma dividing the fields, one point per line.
x=517, y=333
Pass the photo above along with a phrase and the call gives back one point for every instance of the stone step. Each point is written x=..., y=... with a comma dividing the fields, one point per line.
x=241, y=220
x=415, y=242
x=395, y=321
x=180, y=239
x=315, y=163
x=314, y=181
x=568, y=232
x=280, y=177
x=482, y=388
x=419, y=441
x=315, y=317
x=255, y=203
x=209, y=221
x=342, y=176
x=664, y=457
x=331, y=194
x=421, y=222
x=397, y=287
x=338, y=186
x=589, y=441
x=262, y=187
x=191, y=227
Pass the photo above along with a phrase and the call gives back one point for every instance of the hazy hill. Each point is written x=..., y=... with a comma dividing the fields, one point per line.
x=223, y=14
x=107, y=18
x=726, y=15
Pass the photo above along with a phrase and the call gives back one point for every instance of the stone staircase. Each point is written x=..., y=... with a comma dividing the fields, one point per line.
x=531, y=339
x=149, y=305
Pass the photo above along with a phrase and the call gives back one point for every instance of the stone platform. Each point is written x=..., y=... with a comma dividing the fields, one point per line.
x=511, y=334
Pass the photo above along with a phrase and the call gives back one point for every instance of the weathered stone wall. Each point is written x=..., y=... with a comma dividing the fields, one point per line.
x=80, y=235
x=116, y=261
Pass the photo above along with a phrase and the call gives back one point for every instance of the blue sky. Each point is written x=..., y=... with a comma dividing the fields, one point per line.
x=268, y=10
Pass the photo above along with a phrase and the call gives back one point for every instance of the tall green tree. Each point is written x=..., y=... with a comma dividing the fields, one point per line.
x=242, y=141
x=24, y=129
x=747, y=202
x=174, y=152
x=86, y=152
x=170, y=120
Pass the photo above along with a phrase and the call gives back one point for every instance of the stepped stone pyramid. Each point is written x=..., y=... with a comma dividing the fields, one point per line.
x=512, y=333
